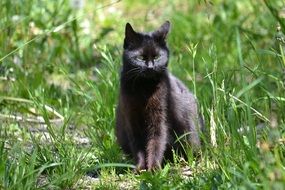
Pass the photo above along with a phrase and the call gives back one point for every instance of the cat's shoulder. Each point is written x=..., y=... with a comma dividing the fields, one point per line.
x=179, y=89
x=176, y=83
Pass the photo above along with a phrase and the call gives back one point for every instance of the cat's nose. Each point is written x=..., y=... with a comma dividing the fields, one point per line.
x=150, y=65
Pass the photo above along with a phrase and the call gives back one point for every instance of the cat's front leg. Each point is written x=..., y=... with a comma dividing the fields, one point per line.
x=140, y=161
x=137, y=149
x=156, y=146
x=139, y=156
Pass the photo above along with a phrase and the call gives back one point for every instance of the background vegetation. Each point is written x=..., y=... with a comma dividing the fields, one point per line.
x=59, y=70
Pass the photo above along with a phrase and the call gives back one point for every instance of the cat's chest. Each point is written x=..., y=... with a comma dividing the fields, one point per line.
x=139, y=105
x=140, y=113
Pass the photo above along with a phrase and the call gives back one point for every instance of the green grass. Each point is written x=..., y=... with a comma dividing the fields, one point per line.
x=57, y=61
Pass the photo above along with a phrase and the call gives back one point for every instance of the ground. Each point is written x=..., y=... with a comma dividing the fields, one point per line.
x=59, y=79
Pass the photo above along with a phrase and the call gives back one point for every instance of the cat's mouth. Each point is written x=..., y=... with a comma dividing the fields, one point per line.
x=150, y=72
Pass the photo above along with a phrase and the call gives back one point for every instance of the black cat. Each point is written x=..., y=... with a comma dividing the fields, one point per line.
x=154, y=106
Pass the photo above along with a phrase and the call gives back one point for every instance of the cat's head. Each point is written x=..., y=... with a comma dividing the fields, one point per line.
x=146, y=54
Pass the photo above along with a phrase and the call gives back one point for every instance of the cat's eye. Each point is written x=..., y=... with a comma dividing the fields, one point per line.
x=156, y=57
x=140, y=58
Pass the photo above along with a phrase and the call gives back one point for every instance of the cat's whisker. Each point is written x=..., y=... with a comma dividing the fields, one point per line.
x=133, y=70
x=133, y=73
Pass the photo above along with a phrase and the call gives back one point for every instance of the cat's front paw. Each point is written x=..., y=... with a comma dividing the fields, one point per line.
x=141, y=165
x=153, y=165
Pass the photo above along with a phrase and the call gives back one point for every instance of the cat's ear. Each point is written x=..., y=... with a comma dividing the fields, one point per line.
x=131, y=36
x=162, y=31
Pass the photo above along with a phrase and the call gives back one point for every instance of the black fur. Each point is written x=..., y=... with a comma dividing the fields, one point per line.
x=154, y=107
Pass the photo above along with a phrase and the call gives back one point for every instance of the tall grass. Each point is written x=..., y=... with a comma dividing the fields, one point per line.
x=54, y=56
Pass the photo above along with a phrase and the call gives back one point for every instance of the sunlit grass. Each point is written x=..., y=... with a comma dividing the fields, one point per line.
x=62, y=63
